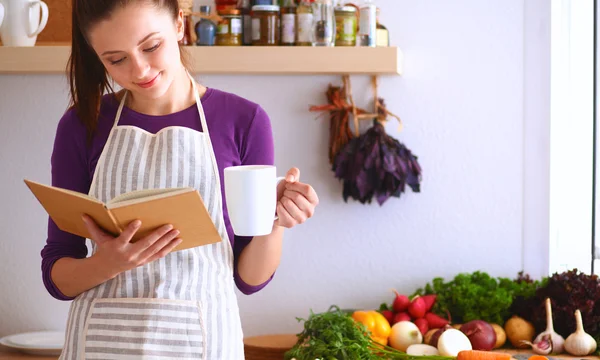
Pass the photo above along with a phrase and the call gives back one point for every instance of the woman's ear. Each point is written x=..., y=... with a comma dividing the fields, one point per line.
x=179, y=24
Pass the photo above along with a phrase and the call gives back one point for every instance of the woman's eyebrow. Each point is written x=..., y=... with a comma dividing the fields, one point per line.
x=139, y=43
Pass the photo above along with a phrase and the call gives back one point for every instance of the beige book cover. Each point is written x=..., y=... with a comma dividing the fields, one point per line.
x=181, y=207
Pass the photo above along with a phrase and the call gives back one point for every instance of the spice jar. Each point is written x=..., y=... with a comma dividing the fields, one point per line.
x=345, y=26
x=265, y=25
x=229, y=30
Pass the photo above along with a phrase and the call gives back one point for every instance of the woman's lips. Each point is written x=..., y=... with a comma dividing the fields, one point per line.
x=150, y=83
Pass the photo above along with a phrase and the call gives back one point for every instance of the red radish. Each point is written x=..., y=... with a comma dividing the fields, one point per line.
x=422, y=325
x=435, y=321
x=416, y=309
x=388, y=315
x=401, y=303
x=429, y=301
x=401, y=317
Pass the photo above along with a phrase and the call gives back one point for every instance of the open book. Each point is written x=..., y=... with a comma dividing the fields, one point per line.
x=181, y=207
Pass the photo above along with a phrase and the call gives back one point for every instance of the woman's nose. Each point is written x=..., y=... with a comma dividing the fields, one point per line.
x=140, y=68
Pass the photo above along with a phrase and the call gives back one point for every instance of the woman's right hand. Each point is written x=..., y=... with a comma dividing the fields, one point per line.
x=120, y=254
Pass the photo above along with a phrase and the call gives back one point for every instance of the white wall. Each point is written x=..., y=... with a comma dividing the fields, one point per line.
x=473, y=101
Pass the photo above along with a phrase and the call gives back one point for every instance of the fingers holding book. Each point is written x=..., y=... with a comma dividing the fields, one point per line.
x=120, y=254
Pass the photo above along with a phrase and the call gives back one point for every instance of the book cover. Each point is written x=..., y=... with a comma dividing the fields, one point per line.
x=181, y=207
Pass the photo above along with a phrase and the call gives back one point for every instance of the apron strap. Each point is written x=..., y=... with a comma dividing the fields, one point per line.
x=207, y=137
x=118, y=116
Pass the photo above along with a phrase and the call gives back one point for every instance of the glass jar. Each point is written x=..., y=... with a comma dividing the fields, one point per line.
x=323, y=23
x=345, y=26
x=265, y=25
x=229, y=30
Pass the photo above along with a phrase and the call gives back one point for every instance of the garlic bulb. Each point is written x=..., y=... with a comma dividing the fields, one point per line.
x=580, y=343
x=542, y=347
x=556, y=341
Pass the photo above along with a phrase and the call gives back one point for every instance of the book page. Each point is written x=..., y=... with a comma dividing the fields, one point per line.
x=136, y=196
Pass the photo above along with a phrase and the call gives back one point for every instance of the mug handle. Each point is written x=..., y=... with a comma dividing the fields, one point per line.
x=1, y=13
x=43, y=19
x=278, y=180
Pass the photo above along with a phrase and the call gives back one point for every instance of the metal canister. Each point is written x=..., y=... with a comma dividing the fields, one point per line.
x=229, y=30
x=367, y=33
x=345, y=26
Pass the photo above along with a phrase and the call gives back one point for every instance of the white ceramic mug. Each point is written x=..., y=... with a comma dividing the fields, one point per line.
x=22, y=21
x=251, y=196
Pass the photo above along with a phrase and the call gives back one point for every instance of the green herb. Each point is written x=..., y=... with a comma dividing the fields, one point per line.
x=478, y=296
x=335, y=335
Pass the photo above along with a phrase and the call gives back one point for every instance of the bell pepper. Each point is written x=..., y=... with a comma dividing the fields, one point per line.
x=376, y=323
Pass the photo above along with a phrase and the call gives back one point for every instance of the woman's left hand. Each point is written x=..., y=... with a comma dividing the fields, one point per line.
x=296, y=201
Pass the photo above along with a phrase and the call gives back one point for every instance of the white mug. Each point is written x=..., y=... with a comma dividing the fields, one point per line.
x=251, y=196
x=1, y=13
x=22, y=21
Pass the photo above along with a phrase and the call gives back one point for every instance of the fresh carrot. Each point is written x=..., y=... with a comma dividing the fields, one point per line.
x=537, y=357
x=482, y=355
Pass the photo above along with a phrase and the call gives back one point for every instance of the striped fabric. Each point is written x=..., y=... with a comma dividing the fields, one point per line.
x=183, y=305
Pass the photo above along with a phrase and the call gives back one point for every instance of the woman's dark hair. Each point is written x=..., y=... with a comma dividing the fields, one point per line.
x=88, y=78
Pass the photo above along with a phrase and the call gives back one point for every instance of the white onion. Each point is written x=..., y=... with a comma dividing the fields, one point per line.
x=422, y=349
x=404, y=334
x=453, y=341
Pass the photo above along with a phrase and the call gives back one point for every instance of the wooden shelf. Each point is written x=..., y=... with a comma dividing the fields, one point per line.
x=250, y=60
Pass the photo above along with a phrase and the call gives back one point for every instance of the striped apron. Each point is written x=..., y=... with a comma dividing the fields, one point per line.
x=183, y=305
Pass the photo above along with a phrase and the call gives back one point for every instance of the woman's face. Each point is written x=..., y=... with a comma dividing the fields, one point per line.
x=138, y=45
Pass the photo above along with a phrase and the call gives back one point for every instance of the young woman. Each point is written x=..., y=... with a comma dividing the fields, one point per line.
x=137, y=300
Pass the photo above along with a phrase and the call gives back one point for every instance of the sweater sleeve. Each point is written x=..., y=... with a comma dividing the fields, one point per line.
x=69, y=171
x=257, y=149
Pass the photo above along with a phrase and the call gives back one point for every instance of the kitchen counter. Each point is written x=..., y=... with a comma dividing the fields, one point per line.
x=10, y=354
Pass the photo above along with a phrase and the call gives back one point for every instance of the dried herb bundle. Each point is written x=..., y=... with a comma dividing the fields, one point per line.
x=376, y=165
x=339, y=112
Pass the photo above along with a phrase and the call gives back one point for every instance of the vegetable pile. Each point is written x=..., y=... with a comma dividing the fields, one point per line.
x=465, y=318
x=478, y=296
x=568, y=291
x=336, y=335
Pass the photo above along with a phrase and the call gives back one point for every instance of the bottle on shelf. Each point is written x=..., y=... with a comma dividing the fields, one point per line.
x=304, y=23
x=245, y=8
x=383, y=35
x=288, y=22
x=205, y=29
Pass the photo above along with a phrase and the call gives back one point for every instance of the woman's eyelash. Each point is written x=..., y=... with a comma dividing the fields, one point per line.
x=153, y=48
x=146, y=50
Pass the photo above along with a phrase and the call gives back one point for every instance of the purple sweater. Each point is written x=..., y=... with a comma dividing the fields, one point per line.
x=240, y=132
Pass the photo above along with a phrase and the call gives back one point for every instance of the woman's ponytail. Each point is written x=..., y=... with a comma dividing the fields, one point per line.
x=87, y=76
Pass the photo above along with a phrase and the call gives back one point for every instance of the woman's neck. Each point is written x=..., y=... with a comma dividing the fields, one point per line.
x=179, y=96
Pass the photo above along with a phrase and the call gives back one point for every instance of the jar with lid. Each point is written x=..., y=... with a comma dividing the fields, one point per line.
x=265, y=25
x=229, y=30
x=345, y=26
